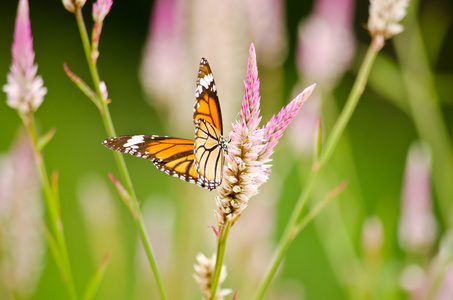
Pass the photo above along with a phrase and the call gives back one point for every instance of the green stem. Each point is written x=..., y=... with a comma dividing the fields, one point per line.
x=52, y=206
x=221, y=246
x=138, y=218
x=327, y=151
x=425, y=110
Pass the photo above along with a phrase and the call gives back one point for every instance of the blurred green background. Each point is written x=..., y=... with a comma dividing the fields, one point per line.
x=372, y=157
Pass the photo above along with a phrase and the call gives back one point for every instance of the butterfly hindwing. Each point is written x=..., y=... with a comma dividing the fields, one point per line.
x=209, y=143
x=174, y=156
x=209, y=157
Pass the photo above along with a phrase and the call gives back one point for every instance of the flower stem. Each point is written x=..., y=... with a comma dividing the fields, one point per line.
x=221, y=246
x=53, y=208
x=327, y=151
x=425, y=110
x=138, y=218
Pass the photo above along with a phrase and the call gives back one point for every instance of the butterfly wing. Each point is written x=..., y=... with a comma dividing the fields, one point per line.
x=174, y=156
x=200, y=161
x=209, y=157
x=207, y=105
x=209, y=143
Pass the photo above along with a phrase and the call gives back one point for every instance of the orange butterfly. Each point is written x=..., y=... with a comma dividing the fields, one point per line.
x=200, y=161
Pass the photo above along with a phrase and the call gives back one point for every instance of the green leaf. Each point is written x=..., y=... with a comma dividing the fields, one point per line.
x=45, y=139
x=94, y=282
x=318, y=141
x=319, y=207
x=124, y=195
x=53, y=246
x=82, y=86
x=55, y=191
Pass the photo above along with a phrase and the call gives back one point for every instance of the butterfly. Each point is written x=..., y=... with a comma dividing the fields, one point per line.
x=198, y=161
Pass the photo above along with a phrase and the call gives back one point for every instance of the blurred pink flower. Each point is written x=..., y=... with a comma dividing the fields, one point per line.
x=100, y=10
x=267, y=29
x=25, y=91
x=417, y=225
x=436, y=282
x=251, y=147
x=326, y=41
x=69, y=5
x=21, y=237
x=180, y=32
x=372, y=234
x=166, y=60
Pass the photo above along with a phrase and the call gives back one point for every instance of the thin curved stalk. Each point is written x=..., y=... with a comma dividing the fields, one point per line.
x=221, y=246
x=108, y=124
x=327, y=151
x=53, y=208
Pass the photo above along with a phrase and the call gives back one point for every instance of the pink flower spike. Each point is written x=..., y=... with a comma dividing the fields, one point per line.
x=100, y=10
x=250, y=147
x=275, y=127
x=25, y=91
x=250, y=111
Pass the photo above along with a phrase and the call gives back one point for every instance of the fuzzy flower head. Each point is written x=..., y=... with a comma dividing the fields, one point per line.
x=385, y=15
x=25, y=91
x=204, y=270
x=251, y=147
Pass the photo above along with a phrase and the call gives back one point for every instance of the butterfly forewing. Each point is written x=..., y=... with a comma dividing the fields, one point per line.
x=172, y=155
x=209, y=157
x=207, y=106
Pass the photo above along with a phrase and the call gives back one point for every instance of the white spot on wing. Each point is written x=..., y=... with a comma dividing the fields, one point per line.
x=133, y=141
x=204, y=83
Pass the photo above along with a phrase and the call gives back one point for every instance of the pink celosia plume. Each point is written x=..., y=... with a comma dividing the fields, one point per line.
x=250, y=111
x=251, y=147
x=25, y=91
x=275, y=127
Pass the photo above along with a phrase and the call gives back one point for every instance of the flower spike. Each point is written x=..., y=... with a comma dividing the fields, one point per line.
x=25, y=91
x=275, y=127
x=251, y=147
x=250, y=111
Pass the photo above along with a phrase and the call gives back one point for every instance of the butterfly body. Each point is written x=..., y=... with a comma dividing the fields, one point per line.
x=198, y=161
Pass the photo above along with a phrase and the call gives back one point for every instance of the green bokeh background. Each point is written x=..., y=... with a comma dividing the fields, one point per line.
x=379, y=134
